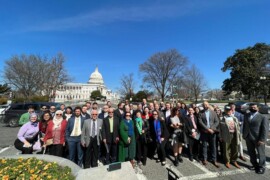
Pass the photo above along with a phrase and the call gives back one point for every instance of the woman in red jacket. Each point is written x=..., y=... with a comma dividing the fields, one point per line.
x=55, y=135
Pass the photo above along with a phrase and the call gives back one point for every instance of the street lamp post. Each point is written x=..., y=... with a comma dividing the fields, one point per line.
x=263, y=78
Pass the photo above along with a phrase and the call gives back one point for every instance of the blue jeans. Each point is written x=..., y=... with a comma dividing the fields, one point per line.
x=75, y=149
x=209, y=139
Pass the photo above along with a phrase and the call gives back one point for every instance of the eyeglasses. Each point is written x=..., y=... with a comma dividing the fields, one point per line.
x=110, y=112
x=127, y=115
x=43, y=108
x=94, y=114
x=58, y=114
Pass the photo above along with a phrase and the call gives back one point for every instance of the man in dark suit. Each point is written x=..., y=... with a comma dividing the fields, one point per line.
x=192, y=130
x=73, y=137
x=208, y=121
x=255, y=132
x=119, y=113
x=110, y=136
x=104, y=112
x=84, y=113
x=90, y=139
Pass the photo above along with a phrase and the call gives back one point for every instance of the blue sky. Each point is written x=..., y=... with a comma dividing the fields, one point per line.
x=119, y=35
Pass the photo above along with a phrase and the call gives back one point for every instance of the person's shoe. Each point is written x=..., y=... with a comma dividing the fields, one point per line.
x=228, y=165
x=176, y=162
x=158, y=160
x=243, y=158
x=180, y=158
x=236, y=165
x=196, y=158
x=191, y=158
x=260, y=170
x=163, y=163
x=204, y=162
x=216, y=164
x=252, y=168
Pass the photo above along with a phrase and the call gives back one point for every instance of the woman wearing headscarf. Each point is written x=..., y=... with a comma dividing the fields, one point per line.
x=27, y=135
x=160, y=135
x=127, y=145
x=55, y=134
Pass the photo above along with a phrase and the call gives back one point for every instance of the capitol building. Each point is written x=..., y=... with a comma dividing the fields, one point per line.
x=82, y=91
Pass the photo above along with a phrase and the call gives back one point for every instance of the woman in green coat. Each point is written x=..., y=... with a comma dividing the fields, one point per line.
x=127, y=144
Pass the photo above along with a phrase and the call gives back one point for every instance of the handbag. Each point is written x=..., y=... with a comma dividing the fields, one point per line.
x=49, y=142
x=37, y=145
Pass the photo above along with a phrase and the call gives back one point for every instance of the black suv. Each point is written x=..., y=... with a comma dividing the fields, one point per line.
x=13, y=114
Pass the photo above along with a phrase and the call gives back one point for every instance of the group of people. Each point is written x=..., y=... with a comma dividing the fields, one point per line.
x=87, y=135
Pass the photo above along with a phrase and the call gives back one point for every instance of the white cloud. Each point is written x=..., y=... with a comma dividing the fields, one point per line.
x=153, y=11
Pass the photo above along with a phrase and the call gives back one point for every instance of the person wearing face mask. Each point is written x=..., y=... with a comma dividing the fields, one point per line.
x=255, y=132
x=230, y=136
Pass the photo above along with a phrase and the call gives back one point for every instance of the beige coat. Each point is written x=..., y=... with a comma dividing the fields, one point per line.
x=224, y=130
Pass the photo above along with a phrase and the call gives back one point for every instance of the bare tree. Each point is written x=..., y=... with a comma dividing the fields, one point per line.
x=161, y=69
x=127, y=85
x=194, y=81
x=35, y=75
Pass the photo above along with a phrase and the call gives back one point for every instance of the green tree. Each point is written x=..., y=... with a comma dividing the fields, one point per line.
x=246, y=67
x=139, y=96
x=4, y=88
x=96, y=94
x=161, y=69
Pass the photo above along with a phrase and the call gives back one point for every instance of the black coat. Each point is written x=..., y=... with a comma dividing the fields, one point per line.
x=118, y=115
x=164, y=131
x=189, y=125
x=106, y=129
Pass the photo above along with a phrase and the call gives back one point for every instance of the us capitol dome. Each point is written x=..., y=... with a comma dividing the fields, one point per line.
x=82, y=91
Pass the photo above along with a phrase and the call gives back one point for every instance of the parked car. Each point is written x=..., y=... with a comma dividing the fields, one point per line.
x=243, y=107
x=13, y=114
x=3, y=108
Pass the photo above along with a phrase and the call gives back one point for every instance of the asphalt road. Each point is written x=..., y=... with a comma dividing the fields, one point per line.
x=154, y=170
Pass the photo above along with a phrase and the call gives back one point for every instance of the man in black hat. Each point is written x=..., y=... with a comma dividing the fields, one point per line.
x=255, y=132
x=230, y=135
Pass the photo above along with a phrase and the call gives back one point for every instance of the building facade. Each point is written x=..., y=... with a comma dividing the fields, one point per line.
x=82, y=92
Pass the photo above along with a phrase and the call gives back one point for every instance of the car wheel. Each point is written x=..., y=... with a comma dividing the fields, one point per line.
x=13, y=122
x=2, y=117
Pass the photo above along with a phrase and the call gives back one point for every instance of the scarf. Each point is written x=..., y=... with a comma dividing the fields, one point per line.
x=157, y=130
x=34, y=124
x=130, y=127
x=57, y=122
x=139, y=123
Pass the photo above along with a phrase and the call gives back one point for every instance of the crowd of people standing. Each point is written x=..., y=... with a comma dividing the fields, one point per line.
x=87, y=135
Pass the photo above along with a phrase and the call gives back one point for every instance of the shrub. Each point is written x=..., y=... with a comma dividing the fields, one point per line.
x=3, y=100
x=33, y=169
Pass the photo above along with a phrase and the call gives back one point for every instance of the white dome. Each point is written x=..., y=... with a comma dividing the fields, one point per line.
x=96, y=78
